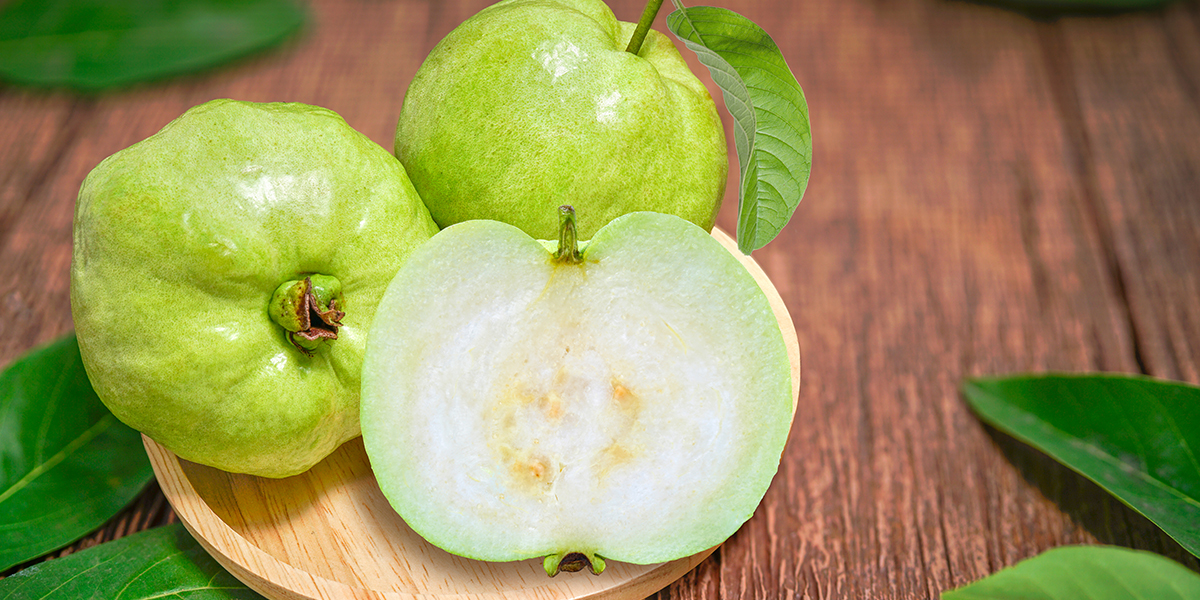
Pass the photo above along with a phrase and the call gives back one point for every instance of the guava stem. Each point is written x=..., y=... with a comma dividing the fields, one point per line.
x=643, y=26
x=568, y=238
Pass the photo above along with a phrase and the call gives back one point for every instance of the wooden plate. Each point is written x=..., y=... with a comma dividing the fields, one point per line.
x=330, y=534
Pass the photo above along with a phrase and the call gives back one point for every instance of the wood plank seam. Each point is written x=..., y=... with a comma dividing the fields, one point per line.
x=1062, y=86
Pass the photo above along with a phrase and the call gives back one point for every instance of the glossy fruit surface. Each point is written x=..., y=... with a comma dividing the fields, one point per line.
x=190, y=248
x=531, y=104
x=630, y=403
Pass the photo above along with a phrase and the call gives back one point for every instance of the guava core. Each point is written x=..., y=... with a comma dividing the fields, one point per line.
x=194, y=245
x=531, y=104
x=630, y=404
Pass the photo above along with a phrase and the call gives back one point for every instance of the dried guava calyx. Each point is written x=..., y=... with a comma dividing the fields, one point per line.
x=631, y=405
x=572, y=562
x=308, y=309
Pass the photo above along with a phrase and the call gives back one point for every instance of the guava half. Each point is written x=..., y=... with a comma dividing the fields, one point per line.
x=629, y=401
x=225, y=274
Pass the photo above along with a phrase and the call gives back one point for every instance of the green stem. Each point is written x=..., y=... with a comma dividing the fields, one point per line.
x=568, y=238
x=643, y=26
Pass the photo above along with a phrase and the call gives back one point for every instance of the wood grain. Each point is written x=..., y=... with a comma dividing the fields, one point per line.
x=991, y=192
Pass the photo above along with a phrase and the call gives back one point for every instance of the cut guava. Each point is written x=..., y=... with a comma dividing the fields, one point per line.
x=628, y=403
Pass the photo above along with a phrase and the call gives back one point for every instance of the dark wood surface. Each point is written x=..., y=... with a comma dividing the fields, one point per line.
x=992, y=192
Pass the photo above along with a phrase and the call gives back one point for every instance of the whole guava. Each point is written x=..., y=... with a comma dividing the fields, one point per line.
x=225, y=273
x=532, y=104
x=627, y=401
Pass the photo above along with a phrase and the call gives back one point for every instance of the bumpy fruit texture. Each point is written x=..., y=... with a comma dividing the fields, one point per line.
x=182, y=239
x=632, y=406
x=531, y=104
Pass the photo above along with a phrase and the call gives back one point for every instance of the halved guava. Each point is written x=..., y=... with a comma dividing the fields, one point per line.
x=629, y=402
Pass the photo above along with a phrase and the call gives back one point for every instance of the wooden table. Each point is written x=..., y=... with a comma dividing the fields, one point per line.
x=991, y=193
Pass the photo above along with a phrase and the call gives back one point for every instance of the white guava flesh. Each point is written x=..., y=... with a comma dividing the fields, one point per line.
x=631, y=407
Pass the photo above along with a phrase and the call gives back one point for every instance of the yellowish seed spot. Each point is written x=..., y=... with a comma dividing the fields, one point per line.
x=537, y=469
x=625, y=399
x=618, y=454
x=551, y=404
x=620, y=393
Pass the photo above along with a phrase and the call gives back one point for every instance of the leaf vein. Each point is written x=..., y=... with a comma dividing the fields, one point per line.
x=1101, y=454
x=88, y=435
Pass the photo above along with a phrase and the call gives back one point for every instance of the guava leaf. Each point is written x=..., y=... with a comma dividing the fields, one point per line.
x=160, y=563
x=67, y=465
x=771, y=131
x=96, y=44
x=1136, y=437
x=1086, y=573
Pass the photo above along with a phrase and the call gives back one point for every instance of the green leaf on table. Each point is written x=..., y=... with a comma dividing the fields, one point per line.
x=67, y=465
x=1086, y=573
x=160, y=563
x=1136, y=437
x=97, y=44
x=771, y=131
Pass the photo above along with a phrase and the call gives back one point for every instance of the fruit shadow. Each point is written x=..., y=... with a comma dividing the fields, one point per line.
x=1088, y=505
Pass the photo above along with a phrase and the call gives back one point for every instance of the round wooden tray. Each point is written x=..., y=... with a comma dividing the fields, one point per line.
x=330, y=534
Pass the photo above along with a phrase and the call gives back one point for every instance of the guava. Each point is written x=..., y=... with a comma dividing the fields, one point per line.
x=625, y=399
x=532, y=104
x=225, y=274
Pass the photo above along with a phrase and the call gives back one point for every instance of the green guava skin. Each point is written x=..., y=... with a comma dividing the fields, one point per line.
x=532, y=104
x=179, y=243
